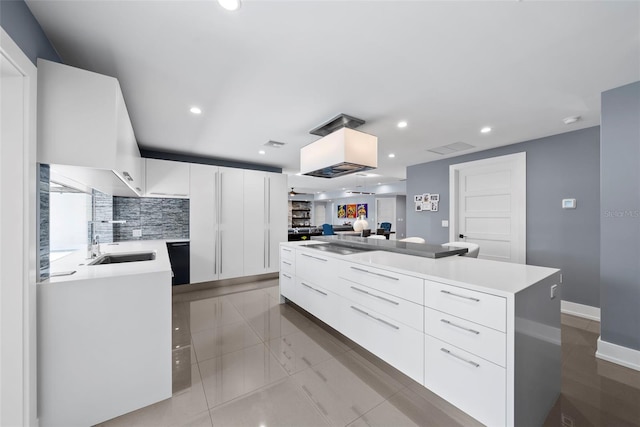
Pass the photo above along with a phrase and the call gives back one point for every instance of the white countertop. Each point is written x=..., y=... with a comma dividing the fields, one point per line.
x=77, y=261
x=496, y=277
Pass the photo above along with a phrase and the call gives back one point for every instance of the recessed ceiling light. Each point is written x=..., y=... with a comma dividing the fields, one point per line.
x=402, y=124
x=391, y=156
x=195, y=110
x=230, y=4
x=485, y=129
x=261, y=152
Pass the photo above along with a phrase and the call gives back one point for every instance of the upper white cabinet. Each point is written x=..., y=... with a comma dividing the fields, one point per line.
x=167, y=179
x=83, y=122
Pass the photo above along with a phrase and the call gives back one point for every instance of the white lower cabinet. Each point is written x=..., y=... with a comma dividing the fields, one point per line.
x=395, y=343
x=477, y=339
x=288, y=285
x=476, y=386
x=318, y=301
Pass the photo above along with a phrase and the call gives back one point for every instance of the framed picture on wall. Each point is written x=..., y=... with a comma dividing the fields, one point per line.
x=435, y=197
x=417, y=198
x=418, y=206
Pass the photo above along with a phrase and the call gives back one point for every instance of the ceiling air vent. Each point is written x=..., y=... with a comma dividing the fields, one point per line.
x=274, y=144
x=451, y=148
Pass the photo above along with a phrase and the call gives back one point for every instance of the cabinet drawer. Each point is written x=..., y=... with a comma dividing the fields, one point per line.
x=287, y=285
x=288, y=266
x=476, y=339
x=409, y=313
x=406, y=287
x=287, y=253
x=318, y=301
x=478, y=307
x=390, y=340
x=472, y=384
x=317, y=268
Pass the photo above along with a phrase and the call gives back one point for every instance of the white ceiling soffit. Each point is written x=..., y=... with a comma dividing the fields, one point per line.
x=269, y=70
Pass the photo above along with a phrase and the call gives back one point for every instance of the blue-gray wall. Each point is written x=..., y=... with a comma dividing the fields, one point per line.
x=18, y=21
x=559, y=166
x=620, y=216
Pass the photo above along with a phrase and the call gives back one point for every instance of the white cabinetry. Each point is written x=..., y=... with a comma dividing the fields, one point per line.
x=493, y=354
x=265, y=213
x=167, y=179
x=203, y=223
x=237, y=220
x=231, y=223
x=83, y=123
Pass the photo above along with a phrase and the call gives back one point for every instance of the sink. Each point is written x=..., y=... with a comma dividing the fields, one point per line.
x=118, y=258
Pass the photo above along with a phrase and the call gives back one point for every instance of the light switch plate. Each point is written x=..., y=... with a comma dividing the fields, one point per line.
x=568, y=203
x=445, y=223
x=137, y=233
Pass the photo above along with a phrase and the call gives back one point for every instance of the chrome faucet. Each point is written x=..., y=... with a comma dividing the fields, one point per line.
x=93, y=245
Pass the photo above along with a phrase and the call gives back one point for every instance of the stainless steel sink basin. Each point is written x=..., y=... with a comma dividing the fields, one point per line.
x=123, y=257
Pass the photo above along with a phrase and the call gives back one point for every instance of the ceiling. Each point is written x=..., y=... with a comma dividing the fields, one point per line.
x=274, y=70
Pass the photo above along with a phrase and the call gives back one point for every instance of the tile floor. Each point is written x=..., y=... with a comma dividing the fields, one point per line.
x=243, y=359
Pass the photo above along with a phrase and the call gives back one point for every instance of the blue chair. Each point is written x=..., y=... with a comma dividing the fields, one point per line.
x=327, y=230
x=386, y=226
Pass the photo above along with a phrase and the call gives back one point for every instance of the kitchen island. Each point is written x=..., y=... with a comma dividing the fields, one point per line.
x=484, y=335
x=104, y=335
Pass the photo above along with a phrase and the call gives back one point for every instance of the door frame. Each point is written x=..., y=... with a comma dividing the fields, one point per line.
x=394, y=219
x=18, y=353
x=520, y=191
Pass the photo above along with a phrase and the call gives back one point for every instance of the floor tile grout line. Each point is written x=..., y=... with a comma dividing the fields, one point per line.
x=381, y=403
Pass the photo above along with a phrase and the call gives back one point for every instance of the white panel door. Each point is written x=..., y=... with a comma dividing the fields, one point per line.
x=203, y=223
x=231, y=223
x=386, y=211
x=255, y=222
x=489, y=206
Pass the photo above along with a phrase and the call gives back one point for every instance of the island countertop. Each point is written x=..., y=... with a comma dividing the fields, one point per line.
x=500, y=278
x=406, y=248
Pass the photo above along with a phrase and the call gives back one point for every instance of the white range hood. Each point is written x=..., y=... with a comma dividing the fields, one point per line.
x=340, y=153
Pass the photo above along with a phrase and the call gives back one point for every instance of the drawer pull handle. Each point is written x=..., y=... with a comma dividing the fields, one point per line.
x=373, y=272
x=374, y=295
x=460, y=296
x=460, y=358
x=314, y=257
x=285, y=262
x=313, y=289
x=376, y=318
x=286, y=275
x=286, y=250
x=473, y=331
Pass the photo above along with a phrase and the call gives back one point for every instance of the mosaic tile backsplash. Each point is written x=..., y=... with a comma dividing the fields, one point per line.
x=156, y=218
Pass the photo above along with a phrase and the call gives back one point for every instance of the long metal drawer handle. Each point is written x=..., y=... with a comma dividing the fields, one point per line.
x=313, y=289
x=314, y=257
x=373, y=272
x=376, y=318
x=460, y=296
x=285, y=262
x=374, y=295
x=286, y=250
x=460, y=358
x=473, y=331
x=286, y=275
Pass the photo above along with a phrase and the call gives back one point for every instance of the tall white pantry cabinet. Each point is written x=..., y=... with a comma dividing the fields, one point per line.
x=237, y=218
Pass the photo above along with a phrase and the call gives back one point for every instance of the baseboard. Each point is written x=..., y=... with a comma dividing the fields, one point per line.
x=580, y=310
x=618, y=354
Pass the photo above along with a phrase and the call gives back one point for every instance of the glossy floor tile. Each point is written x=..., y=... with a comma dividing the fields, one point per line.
x=243, y=359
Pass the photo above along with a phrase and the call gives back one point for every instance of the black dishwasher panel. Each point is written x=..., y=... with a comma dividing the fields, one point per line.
x=179, y=257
